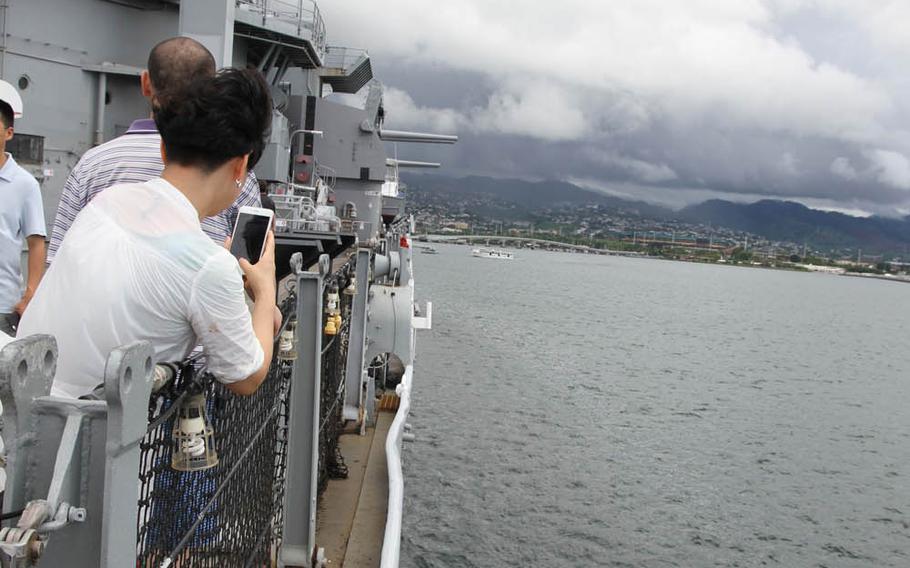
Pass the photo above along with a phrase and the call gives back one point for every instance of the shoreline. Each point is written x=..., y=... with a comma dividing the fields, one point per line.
x=584, y=250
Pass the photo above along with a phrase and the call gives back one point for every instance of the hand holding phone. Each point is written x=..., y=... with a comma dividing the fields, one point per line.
x=260, y=277
x=250, y=230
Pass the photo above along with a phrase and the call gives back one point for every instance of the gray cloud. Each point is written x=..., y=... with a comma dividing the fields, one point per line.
x=675, y=100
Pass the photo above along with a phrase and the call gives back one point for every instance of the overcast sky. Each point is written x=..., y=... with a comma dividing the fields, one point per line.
x=664, y=100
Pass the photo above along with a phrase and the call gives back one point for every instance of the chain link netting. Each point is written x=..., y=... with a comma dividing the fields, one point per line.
x=331, y=404
x=231, y=514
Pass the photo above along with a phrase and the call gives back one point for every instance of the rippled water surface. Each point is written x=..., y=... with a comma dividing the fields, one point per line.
x=597, y=411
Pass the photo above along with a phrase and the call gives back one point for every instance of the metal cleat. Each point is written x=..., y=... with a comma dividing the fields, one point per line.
x=296, y=263
x=65, y=515
x=325, y=265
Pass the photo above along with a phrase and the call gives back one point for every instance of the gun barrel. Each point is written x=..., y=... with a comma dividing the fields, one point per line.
x=425, y=137
x=411, y=163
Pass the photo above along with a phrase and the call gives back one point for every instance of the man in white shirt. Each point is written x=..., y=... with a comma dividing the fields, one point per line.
x=136, y=264
x=21, y=218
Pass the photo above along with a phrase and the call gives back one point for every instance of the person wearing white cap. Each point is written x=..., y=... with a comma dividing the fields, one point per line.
x=21, y=218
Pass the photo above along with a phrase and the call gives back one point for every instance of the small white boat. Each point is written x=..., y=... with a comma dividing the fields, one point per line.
x=492, y=253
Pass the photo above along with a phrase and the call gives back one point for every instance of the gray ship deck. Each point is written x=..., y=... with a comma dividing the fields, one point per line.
x=350, y=522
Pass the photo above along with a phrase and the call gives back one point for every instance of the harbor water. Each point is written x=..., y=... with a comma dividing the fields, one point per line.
x=575, y=410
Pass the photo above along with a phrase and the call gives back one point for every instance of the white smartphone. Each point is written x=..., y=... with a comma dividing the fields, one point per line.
x=250, y=230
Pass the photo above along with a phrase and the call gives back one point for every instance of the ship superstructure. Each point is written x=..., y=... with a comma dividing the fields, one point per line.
x=94, y=482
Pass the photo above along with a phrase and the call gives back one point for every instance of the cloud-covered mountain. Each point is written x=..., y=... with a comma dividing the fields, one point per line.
x=776, y=220
x=803, y=100
x=526, y=196
x=794, y=222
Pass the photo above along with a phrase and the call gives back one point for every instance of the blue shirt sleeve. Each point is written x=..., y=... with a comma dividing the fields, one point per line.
x=32, y=221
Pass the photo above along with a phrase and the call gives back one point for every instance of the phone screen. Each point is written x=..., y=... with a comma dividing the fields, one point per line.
x=249, y=236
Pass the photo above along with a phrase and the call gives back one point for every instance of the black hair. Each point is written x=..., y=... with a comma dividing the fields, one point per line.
x=175, y=62
x=215, y=119
x=6, y=114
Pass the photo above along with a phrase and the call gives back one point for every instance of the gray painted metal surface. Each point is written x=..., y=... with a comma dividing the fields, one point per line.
x=366, y=198
x=276, y=156
x=74, y=462
x=359, y=159
x=354, y=371
x=346, y=69
x=211, y=23
x=297, y=23
x=369, y=406
x=128, y=378
x=27, y=370
x=354, y=153
x=389, y=326
x=94, y=50
x=299, y=534
x=404, y=256
x=58, y=48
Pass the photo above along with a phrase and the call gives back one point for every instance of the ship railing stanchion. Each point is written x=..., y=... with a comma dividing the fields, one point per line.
x=27, y=369
x=354, y=369
x=128, y=377
x=299, y=531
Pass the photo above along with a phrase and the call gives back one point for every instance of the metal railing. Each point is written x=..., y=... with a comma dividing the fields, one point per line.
x=334, y=361
x=304, y=15
x=339, y=57
x=233, y=514
x=400, y=227
x=391, y=173
x=353, y=226
x=391, y=543
x=295, y=212
x=327, y=175
x=292, y=211
x=302, y=207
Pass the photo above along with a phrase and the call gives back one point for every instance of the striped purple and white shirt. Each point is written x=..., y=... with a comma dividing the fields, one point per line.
x=134, y=157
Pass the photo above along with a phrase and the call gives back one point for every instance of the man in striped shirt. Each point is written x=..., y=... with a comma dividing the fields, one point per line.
x=135, y=157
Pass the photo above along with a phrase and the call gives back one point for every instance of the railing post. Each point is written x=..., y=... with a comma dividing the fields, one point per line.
x=299, y=535
x=27, y=368
x=127, y=387
x=353, y=380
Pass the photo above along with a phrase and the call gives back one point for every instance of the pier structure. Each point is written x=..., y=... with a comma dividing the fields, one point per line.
x=524, y=242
